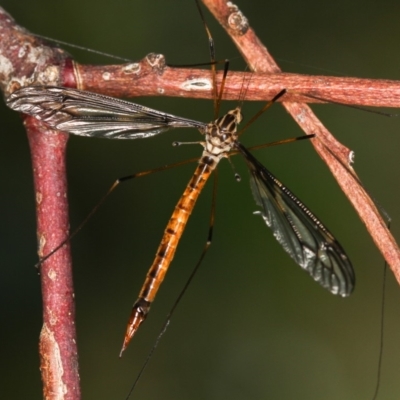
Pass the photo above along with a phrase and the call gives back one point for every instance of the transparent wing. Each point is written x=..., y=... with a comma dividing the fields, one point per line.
x=91, y=114
x=299, y=231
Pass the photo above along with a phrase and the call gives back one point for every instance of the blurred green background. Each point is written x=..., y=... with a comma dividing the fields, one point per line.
x=252, y=325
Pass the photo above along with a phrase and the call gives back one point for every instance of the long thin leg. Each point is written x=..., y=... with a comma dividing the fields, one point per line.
x=211, y=46
x=103, y=199
x=217, y=95
x=263, y=109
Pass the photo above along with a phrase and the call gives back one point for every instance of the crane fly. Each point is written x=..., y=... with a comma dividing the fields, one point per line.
x=296, y=228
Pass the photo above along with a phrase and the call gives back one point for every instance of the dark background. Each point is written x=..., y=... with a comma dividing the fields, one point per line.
x=252, y=325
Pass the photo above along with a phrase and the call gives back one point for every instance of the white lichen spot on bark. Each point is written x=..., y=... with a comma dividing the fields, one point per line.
x=50, y=76
x=51, y=365
x=236, y=20
x=106, y=76
x=42, y=243
x=133, y=68
x=52, y=274
x=196, y=84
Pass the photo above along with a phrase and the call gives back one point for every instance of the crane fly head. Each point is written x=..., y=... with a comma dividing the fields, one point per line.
x=222, y=133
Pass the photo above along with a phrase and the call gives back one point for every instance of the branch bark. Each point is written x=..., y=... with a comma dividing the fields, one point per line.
x=57, y=345
x=337, y=157
x=24, y=59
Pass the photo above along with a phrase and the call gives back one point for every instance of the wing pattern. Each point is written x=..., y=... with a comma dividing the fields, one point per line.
x=91, y=114
x=299, y=231
x=295, y=227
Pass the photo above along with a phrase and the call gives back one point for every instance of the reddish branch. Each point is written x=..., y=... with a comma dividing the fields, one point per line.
x=58, y=350
x=22, y=60
x=195, y=83
x=336, y=156
x=152, y=77
x=25, y=60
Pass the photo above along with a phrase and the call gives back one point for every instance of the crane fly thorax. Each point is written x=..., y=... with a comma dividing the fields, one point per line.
x=222, y=133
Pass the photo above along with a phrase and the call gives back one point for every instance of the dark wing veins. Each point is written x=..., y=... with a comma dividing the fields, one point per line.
x=299, y=231
x=91, y=114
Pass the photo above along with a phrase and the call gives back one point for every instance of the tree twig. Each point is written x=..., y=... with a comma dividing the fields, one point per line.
x=337, y=157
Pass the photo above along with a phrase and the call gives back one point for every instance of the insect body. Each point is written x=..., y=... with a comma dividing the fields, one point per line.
x=296, y=228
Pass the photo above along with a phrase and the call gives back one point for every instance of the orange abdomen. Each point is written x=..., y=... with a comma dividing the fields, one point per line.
x=168, y=245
